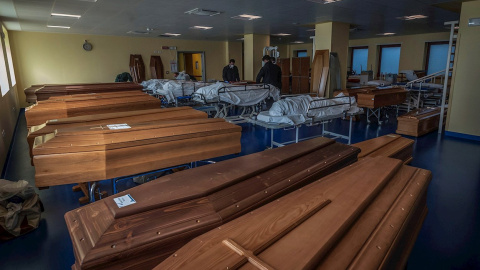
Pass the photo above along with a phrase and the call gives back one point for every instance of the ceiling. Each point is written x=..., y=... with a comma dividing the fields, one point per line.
x=296, y=17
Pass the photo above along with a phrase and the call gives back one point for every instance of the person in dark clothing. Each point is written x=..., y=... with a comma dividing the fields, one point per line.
x=270, y=73
x=230, y=72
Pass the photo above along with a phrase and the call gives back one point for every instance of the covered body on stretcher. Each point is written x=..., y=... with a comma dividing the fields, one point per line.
x=172, y=89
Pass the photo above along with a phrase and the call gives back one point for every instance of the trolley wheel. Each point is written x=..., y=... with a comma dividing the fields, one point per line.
x=380, y=122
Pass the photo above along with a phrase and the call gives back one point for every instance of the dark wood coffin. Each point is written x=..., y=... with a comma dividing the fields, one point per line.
x=377, y=98
x=176, y=208
x=156, y=67
x=43, y=92
x=364, y=216
x=137, y=68
x=108, y=152
x=419, y=122
x=391, y=145
x=140, y=116
x=41, y=112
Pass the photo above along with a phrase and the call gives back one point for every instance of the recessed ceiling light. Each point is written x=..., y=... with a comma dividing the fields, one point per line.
x=386, y=34
x=412, y=17
x=65, y=15
x=58, y=26
x=246, y=17
x=202, y=12
x=88, y=0
x=281, y=34
x=311, y=30
x=241, y=39
x=172, y=34
x=138, y=32
x=201, y=27
x=298, y=42
x=324, y=1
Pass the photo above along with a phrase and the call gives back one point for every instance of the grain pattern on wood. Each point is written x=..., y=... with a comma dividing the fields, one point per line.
x=419, y=122
x=391, y=145
x=176, y=208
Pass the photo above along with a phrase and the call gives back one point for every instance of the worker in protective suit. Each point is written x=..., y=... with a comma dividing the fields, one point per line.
x=230, y=72
x=270, y=73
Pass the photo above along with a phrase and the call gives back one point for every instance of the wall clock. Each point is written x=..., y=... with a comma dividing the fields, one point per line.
x=87, y=46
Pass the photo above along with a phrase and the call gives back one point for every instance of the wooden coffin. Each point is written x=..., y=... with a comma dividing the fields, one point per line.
x=378, y=98
x=108, y=152
x=319, y=74
x=419, y=122
x=176, y=208
x=46, y=91
x=140, y=116
x=156, y=67
x=41, y=112
x=361, y=217
x=300, y=75
x=284, y=64
x=391, y=145
x=137, y=68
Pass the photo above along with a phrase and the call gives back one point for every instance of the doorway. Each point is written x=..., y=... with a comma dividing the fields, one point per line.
x=193, y=63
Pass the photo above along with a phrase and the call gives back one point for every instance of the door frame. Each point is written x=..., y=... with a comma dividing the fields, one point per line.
x=202, y=53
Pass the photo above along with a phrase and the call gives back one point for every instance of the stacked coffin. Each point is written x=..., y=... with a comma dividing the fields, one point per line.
x=366, y=216
x=88, y=104
x=391, y=145
x=140, y=116
x=91, y=153
x=169, y=212
x=419, y=122
x=43, y=92
x=377, y=98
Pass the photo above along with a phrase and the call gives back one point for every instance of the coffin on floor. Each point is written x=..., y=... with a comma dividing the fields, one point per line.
x=140, y=116
x=174, y=209
x=365, y=216
x=376, y=98
x=419, y=122
x=43, y=92
x=87, y=105
x=391, y=145
x=100, y=152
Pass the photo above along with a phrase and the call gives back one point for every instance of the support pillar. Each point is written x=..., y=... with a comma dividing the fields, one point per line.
x=253, y=51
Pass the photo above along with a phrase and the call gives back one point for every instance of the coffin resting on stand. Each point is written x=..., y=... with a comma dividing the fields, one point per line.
x=391, y=145
x=419, y=122
x=365, y=216
x=377, y=98
x=43, y=92
x=140, y=116
x=174, y=209
x=95, y=153
x=93, y=104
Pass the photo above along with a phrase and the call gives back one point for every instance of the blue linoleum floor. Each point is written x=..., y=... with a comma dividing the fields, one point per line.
x=449, y=239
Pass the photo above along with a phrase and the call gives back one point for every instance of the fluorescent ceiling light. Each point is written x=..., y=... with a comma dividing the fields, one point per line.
x=137, y=32
x=324, y=1
x=311, y=30
x=66, y=15
x=201, y=27
x=246, y=17
x=412, y=17
x=88, y=0
x=281, y=34
x=386, y=34
x=241, y=39
x=172, y=34
x=58, y=26
x=298, y=42
x=202, y=12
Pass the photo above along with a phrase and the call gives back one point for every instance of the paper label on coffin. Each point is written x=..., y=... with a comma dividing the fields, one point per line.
x=118, y=126
x=125, y=200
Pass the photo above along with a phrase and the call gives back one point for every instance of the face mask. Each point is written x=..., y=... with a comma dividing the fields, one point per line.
x=231, y=66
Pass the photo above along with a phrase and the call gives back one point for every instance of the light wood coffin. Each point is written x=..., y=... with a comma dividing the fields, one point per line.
x=41, y=112
x=174, y=209
x=377, y=98
x=140, y=116
x=156, y=67
x=137, y=68
x=391, y=145
x=86, y=154
x=365, y=216
x=419, y=122
x=43, y=92
x=319, y=74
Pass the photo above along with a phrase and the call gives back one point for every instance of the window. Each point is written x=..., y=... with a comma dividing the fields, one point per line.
x=436, y=59
x=359, y=59
x=3, y=68
x=389, y=59
x=301, y=53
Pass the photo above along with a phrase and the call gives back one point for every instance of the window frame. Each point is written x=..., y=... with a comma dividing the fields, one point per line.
x=427, y=55
x=380, y=48
x=351, y=55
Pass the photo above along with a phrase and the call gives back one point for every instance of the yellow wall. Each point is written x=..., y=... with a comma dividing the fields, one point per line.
x=412, y=54
x=465, y=94
x=59, y=58
x=8, y=115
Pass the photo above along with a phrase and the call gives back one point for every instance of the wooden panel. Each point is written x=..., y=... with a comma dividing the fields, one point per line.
x=377, y=98
x=137, y=68
x=284, y=64
x=391, y=145
x=419, y=122
x=176, y=208
x=320, y=61
x=300, y=75
x=156, y=67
